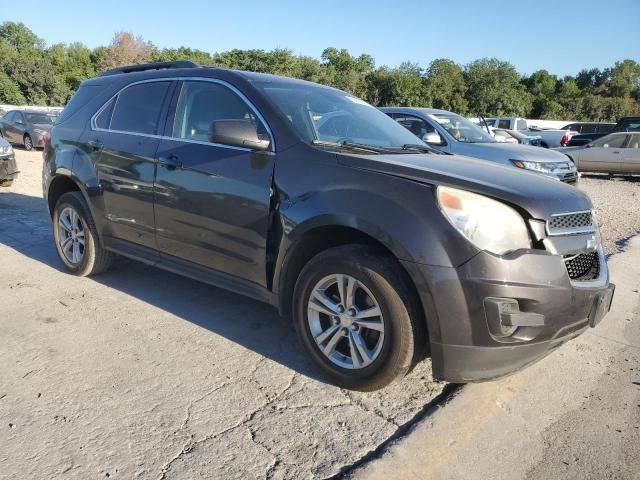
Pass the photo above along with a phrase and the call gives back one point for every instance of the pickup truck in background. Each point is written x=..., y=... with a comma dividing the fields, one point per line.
x=625, y=124
x=548, y=138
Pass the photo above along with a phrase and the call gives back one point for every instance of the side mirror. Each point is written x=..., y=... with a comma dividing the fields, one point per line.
x=432, y=138
x=237, y=133
x=588, y=146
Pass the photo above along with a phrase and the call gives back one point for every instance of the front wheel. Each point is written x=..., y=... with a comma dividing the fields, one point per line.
x=28, y=143
x=356, y=317
x=76, y=237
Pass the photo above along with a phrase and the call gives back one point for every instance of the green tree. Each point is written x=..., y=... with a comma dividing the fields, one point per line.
x=10, y=92
x=446, y=86
x=19, y=36
x=494, y=89
x=404, y=85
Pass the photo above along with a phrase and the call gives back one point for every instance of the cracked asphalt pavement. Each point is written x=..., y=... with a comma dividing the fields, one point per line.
x=139, y=373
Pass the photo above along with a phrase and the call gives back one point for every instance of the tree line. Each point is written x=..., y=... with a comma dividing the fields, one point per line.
x=36, y=74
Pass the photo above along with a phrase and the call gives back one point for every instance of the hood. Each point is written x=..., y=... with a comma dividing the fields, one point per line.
x=538, y=195
x=503, y=152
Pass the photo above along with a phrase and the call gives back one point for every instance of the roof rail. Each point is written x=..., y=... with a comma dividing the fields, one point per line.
x=149, y=66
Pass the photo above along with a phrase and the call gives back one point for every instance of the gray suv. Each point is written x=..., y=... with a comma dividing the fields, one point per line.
x=380, y=248
x=452, y=133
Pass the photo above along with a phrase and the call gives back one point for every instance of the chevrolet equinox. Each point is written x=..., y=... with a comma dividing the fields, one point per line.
x=381, y=249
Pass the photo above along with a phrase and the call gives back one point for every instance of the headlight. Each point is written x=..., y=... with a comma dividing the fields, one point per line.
x=6, y=150
x=488, y=224
x=542, y=167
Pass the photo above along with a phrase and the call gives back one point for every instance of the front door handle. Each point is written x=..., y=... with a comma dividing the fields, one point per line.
x=171, y=162
x=96, y=145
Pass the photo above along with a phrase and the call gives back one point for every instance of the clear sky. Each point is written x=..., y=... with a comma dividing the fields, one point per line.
x=560, y=36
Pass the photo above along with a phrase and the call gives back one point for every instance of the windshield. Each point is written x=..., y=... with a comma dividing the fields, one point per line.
x=38, y=118
x=461, y=129
x=322, y=114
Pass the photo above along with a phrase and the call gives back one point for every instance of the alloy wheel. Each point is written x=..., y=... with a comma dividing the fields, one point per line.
x=71, y=238
x=345, y=321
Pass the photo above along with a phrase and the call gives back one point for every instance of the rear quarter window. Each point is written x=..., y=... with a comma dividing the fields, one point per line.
x=83, y=95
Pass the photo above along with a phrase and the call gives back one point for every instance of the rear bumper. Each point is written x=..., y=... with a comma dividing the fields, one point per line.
x=462, y=334
x=8, y=167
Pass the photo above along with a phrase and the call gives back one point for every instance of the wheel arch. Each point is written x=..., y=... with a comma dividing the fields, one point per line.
x=318, y=235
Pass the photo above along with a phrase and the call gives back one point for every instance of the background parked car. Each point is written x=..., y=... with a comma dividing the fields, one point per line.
x=8, y=168
x=26, y=128
x=513, y=136
x=625, y=124
x=614, y=153
x=452, y=133
x=548, y=138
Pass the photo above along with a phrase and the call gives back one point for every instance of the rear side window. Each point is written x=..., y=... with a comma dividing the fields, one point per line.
x=137, y=108
x=589, y=128
x=82, y=96
x=504, y=124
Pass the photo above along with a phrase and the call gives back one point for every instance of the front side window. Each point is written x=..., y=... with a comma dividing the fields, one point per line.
x=462, y=129
x=415, y=125
x=138, y=108
x=321, y=114
x=611, y=141
x=202, y=103
x=506, y=124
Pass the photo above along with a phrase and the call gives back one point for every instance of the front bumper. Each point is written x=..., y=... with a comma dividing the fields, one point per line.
x=8, y=167
x=464, y=346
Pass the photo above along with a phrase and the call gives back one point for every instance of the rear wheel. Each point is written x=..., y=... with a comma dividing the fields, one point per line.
x=28, y=143
x=76, y=238
x=356, y=317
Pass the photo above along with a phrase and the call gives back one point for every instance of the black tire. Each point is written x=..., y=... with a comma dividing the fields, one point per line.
x=6, y=183
x=95, y=259
x=401, y=315
x=27, y=142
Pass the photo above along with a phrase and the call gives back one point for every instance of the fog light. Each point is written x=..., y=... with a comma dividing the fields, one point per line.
x=504, y=316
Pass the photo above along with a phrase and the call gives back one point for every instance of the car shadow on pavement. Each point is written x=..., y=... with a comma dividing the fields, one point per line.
x=617, y=177
x=25, y=226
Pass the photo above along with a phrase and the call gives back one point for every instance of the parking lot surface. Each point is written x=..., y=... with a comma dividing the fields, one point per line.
x=139, y=373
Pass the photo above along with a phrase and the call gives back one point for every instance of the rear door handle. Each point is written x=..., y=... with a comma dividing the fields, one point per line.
x=96, y=145
x=171, y=162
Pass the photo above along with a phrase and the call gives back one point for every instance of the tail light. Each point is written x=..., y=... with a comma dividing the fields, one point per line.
x=564, y=140
x=46, y=141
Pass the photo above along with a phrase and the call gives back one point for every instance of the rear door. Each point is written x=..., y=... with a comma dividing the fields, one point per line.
x=631, y=156
x=212, y=201
x=123, y=143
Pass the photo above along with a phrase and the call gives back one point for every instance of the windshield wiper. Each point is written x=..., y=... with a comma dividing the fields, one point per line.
x=356, y=147
x=421, y=148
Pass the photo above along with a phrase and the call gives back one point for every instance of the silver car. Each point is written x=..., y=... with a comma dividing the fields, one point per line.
x=452, y=133
x=614, y=153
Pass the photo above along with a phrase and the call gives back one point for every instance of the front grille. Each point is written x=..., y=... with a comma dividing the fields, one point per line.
x=568, y=223
x=583, y=267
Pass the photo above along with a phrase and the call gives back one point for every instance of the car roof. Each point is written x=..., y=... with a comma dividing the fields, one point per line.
x=198, y=71
x=422, y=110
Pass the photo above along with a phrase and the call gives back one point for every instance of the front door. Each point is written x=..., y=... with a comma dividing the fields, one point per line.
x=123, y=142
x=212, y=201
